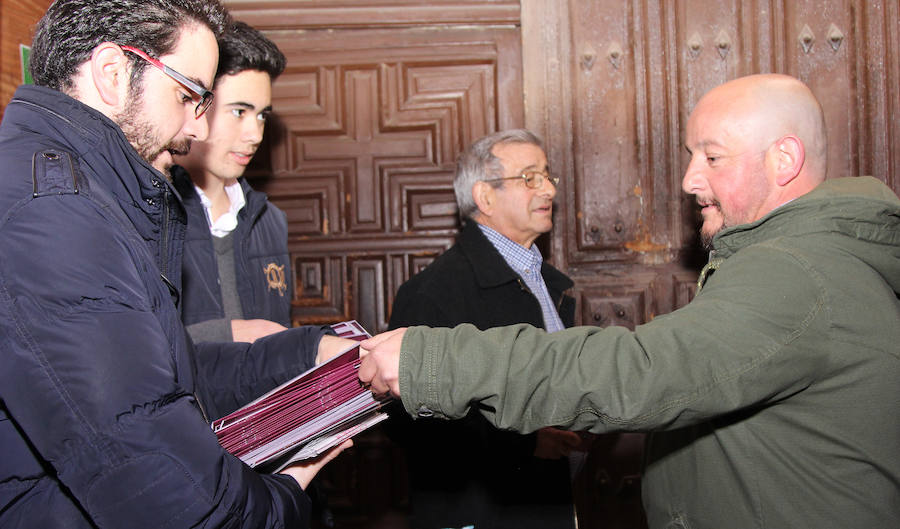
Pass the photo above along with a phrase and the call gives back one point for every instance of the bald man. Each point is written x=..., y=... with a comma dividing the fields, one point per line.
x=772, y=397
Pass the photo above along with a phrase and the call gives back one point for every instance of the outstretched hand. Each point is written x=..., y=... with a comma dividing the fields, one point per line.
x=331, y=346
x=380, y=362
x=553, y=443
x=306, y=470
x=252, y=330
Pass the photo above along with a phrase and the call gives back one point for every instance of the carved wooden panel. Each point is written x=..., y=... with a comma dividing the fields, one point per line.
x=318, y=14
x=369, y=123
x=606, y=184
x=633, y=72
x=613, y=301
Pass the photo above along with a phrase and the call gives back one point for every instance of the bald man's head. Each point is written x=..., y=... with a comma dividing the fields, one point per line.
x=756, y=143
x=766, y=107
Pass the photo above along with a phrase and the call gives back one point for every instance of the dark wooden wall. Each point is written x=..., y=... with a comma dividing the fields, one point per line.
x=374, y=106
x=380, y=96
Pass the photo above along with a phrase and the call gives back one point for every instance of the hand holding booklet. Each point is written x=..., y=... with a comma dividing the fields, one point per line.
x=305, y=416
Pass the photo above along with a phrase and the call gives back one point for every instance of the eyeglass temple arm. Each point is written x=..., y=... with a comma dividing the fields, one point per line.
x=172, y=73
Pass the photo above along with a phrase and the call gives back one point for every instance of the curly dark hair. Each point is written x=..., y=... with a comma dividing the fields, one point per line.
x=243, y=47
x=71, y=29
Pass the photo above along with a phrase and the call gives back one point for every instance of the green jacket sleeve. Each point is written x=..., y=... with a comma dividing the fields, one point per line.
x=747, y=338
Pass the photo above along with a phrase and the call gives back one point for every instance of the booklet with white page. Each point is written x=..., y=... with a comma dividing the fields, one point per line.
x=305, y=416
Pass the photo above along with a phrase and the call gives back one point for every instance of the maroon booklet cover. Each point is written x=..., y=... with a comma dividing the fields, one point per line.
x=306, y=415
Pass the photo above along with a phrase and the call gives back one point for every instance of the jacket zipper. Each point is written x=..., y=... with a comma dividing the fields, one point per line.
x=163, y=266
x=164, y=237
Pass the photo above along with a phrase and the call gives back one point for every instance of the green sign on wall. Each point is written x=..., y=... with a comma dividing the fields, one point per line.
x=25, y=55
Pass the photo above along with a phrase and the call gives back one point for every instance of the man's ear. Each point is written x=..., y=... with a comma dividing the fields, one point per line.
x=788, y=155
x=110, y=73
x=484, y=197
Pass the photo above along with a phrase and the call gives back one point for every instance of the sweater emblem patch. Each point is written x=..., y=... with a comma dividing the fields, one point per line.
x=275, y=278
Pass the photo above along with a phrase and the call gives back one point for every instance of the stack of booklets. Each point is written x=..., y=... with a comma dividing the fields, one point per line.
x=305, y=416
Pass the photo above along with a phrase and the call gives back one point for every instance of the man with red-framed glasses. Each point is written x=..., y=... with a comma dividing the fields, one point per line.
x=199, y=93
x=104, y=403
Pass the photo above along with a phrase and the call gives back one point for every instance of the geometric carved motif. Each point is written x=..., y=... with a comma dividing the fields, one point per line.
x=381, y=163
x=362, y=149
x=390, y=133
x=606, y=310
x=625, y=305
x=343, y=280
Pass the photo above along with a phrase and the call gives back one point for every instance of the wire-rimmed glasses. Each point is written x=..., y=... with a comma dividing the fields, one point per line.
x=533, y=179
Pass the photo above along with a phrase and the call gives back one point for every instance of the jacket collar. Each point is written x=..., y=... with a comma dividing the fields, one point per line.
x=106, y=156
x=97, y=140
x=859, y=213
x=490, y=268
x=255, y=200
x=861, y=206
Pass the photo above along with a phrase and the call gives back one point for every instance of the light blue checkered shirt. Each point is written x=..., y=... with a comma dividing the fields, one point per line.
x=527, y=263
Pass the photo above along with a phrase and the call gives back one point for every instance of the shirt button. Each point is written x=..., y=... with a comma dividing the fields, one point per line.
x=423, y=411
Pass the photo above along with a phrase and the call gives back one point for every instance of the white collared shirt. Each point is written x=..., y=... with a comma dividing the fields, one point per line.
x=228, y=221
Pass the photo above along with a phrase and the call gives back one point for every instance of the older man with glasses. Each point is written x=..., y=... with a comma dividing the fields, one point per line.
x=467, y=472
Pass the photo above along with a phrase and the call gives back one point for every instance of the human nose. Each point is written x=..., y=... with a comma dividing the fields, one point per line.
x=196, y=128
x=253, y=131
x=547, y=188
x=693, y=177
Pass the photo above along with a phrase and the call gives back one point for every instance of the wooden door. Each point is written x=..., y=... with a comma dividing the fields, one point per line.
x=372, y=110
x=614, y=114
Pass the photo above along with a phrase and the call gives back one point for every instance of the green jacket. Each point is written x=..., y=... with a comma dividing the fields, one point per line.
x=773, y=397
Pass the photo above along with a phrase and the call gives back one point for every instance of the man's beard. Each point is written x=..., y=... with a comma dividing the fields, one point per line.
x=706, y=237
x=142, y=136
